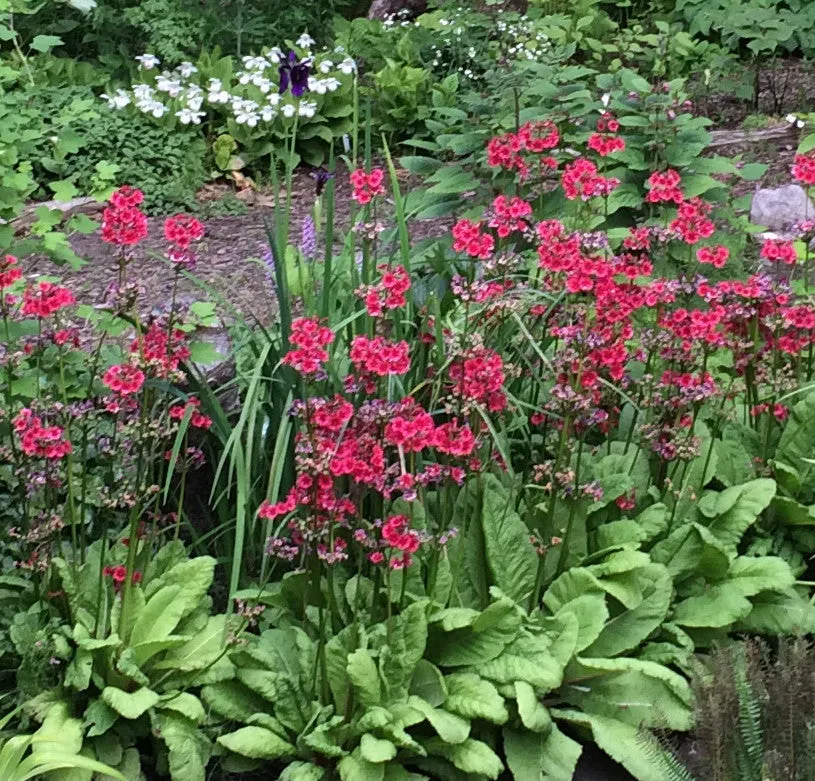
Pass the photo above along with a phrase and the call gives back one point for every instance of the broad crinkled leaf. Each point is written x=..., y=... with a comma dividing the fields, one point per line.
x=364, y=675
x=512, y=561
x=726, y=602
x=193, y=577
x=591, y=613
x=629, y=628
x=356, y=768
x=541, y=757
x=188, y=749
x=256, y=743
x=623, y=742
x=184, y=703
x=736, y=510
x=159, y=616
x=472, y=697
x=376, y=749
x=200, y=650
x=779, y=613
x=471, y=756
x=302, y=771
x=797, y=443
x=534, y=714
x=450, y=727
x=637, y=692
x=527, y=658
x=428, y=683
x=131, y=705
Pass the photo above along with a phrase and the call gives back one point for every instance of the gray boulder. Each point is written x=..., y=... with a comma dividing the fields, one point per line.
x=779, y=208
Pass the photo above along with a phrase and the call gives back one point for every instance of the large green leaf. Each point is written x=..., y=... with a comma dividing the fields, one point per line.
x=159, y=616
x=356, y=768
x=256, y=743
x=623, y=742
x=724, y=603
x=736, y=509
x=512, y=561
x=449, y=727
x=364, y=675
x=797, y=442
x=193, y=577
x=533, y=713
x=638, y=692
x=472, y=697
x=591, y=613
x=627, y=629
x=201, y=650
x=541, y=757
x=188, y=749
x=131, y=705
x=528, y=658
x=471, y=756
x=779, y=613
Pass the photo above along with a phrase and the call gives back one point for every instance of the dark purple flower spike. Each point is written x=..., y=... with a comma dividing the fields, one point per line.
x=294, y=72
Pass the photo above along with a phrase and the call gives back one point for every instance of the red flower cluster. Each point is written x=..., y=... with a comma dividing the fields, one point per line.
x=182, y=230
x=467, y=237
x=412, y=428
x=38, y=440
x=123, y=223
x=197, y=419
x=396, y=533
x=379, y=357
x=454, y=439
x=803, y=168
x=118, y=575
x=506, y=151
x=582, y=180
x=664, y=187
x=159, y=351
x=367, y=185
x=46, y=299
x=9, y=273
x=479, y=377
x=715, y=256
x=124, y=378
x=311, y=339
x=388, y=293
x=692, y=223
x=778, y=250
x=604, y=141
x=508, y=213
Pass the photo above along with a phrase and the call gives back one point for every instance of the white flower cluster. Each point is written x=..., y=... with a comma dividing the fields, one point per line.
x=253, y=98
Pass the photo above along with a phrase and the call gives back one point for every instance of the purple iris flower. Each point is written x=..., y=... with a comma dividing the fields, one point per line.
x=294, y=72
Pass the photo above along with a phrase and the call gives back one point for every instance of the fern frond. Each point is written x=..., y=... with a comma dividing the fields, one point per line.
x=750, y=748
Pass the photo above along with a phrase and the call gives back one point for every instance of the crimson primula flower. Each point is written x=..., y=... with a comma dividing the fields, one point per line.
x=664, y=186
x=124, y=378
x=803, y=168
x=46, y=299
x=367, y=185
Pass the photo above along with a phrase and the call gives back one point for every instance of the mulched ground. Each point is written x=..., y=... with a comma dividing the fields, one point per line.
x=230, y=256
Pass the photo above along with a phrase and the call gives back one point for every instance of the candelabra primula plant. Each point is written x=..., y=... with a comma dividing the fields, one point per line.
x=572, y=421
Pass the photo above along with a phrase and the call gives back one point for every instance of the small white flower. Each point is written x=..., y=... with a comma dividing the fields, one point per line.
x=287, y=110
x=325, y=66
x=244, y=77
x=148, y=61
x=194, y=104
x=117, y=101
x=339, y=49
x=443, y=22
x=157, y=109
x=186, y=69
x=188, y=116
x=305, y=41
x=142, y=92
x=605, y=99
x=307, y=108
x=348, y=66
x=171, y=86
x=332, y=84
x=274, y=99
x=245, y=116
x=216, y=92
x=268, y=113
x=256, y=63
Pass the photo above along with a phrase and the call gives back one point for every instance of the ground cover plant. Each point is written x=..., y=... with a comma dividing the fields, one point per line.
x=450, y=508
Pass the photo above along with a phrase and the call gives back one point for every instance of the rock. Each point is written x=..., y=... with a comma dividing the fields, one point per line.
x=779, y=208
